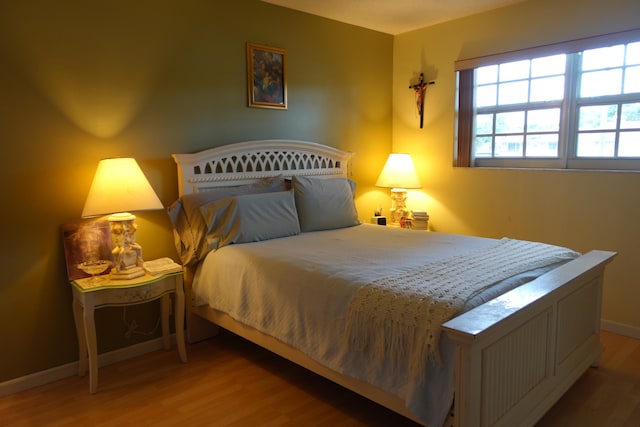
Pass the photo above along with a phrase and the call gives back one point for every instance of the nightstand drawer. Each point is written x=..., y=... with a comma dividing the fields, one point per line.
x=134, y=295
x=124, y=292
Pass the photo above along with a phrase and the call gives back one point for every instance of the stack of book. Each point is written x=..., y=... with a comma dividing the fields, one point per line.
x=420, y=219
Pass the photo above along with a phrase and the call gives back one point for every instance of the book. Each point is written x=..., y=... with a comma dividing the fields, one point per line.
x=160, y=266
x=419, y=214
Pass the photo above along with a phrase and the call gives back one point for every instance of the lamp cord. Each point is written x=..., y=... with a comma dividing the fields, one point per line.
x=132, y=327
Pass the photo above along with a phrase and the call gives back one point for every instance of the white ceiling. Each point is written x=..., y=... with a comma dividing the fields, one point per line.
x=392, y=16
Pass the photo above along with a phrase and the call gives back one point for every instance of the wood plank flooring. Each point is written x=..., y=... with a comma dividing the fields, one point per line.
x=230, y=382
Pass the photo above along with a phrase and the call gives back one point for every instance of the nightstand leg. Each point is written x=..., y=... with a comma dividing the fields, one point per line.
x=82, y=340
x=92, y=348
x=179, y=317
x=165, y=304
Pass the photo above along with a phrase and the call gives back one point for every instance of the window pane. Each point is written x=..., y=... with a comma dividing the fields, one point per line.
x=598, y=117
x=513, y=93
x=629, y=144
x=630, y=117
x=547, y=89
x=548, y=66
x=579, y=109
x=514, y=70
x=632, y=80
x=488, y=74
x=599, y=83
x=484, y=124
x=543, y=120
x=509, y=146
x=542, y=145
x=596, y=144
x=482, y=146
x=510, y=122
x=605, y=57
x=633, y=53
x=486, y=96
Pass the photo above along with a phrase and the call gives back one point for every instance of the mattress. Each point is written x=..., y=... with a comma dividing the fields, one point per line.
x=297, y=289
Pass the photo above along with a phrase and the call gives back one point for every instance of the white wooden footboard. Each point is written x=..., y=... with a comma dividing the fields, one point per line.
x=517, y=354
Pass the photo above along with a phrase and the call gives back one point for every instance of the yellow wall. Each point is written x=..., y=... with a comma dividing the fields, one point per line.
x=582, y=210
x=83, y=80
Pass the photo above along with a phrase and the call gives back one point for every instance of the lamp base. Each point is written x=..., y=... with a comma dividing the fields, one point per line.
x=399, y=209
x=127, y=253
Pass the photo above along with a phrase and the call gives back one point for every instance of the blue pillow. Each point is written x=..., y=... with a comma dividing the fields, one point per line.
x=324, y=203
x=250, y=218
x=189, y=228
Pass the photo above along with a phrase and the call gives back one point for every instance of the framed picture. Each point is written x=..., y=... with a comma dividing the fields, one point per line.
x=266, y=77
x=86, y=242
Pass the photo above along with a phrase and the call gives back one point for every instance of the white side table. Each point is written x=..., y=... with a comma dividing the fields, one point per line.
x=88, y=296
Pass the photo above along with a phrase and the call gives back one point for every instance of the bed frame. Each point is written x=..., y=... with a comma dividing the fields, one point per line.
x=516, y=355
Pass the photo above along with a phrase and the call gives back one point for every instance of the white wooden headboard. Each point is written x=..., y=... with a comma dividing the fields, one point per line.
x=245, y=162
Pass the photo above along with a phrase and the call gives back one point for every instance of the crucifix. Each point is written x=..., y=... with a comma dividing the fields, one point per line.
x=420, y=89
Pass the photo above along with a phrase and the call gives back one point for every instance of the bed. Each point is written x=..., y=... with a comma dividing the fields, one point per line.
x=503, y=354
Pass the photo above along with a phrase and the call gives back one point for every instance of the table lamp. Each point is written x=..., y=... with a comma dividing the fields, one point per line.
x=118, y=188
x=398, y=174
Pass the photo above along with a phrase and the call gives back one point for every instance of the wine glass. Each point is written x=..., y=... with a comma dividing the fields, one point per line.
x=94, y=268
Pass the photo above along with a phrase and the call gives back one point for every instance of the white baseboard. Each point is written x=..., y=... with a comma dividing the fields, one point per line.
x=620, y=328
x=59, y=372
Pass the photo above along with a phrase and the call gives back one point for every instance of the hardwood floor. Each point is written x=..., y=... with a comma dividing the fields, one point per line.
x=230, y=382
x=607, y=396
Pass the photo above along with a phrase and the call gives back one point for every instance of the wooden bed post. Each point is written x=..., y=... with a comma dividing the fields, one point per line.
x=198, y=329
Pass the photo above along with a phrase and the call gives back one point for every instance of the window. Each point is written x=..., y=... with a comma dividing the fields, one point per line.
x=570, y=105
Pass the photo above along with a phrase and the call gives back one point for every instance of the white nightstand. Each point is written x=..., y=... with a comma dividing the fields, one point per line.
x=88, y=296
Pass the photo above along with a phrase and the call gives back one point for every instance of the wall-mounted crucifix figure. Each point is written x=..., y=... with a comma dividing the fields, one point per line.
x=420, y=89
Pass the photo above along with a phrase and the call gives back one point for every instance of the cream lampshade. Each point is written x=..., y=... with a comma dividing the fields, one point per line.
x=119, y=187
x=398, y=174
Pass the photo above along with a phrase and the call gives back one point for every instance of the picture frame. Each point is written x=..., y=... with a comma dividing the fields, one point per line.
x=84, y=242
x=266, y=76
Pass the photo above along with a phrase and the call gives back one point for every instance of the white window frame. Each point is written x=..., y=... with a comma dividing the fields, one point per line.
x=466, y=112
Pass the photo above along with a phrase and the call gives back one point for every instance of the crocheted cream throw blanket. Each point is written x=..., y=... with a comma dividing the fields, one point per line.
x=398, y=319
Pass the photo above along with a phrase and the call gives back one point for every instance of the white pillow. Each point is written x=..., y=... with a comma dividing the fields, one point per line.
x=324, y=203
x=250, y=218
